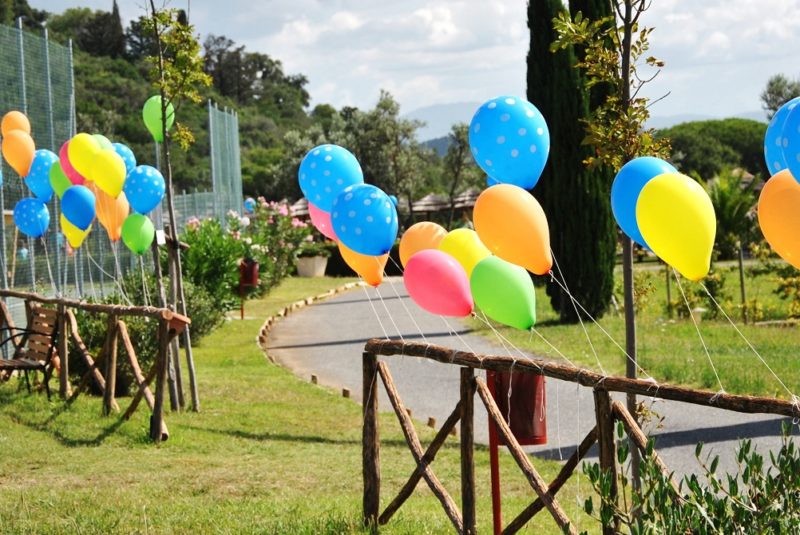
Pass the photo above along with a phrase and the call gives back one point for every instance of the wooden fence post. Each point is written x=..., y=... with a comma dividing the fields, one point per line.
x=63, y=353
x=605, y=441
x=371, y=442
x=161, y=379
x=111, y=365
x=467, y=450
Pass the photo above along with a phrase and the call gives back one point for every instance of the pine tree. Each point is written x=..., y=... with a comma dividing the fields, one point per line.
x=574, y=197
x=115, y=35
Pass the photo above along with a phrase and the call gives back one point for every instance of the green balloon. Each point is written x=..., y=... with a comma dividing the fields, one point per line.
x=505, y=292
x=138, y=233
x=58, y=180
x=151, y=113
x=105, y=143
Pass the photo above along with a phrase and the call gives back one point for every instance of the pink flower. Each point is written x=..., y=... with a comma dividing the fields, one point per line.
x=236, y=235
x=283, y=210
x=192, y=223
x=296, y=223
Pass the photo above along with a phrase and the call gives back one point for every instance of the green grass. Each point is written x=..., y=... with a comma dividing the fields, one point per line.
x=670, y=349
x=269, y=453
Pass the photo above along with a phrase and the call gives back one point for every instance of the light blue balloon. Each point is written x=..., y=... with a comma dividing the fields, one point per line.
x=78, y=206
x=393, y=198
x=791, y=139
x=626, y=188
x=491, y=181
x=127, y=156
x=249, y=205
x=144, y=188
x=325, y=172
x=38, y=179
x=365, y=219
x=31, y=217
x=510, y=141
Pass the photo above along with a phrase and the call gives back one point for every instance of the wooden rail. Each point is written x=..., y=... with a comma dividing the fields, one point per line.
x=607, y=414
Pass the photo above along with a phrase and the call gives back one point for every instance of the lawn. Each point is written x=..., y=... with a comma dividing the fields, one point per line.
x=670, y=349
x=269, y=453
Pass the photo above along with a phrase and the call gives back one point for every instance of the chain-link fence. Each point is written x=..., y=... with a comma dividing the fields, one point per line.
x=36, y=77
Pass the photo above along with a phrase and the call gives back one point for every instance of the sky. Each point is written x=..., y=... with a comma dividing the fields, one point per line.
x=718, y=53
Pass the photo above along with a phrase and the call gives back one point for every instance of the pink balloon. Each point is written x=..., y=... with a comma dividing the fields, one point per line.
x=322, y=221
x=438, y=283
x=63, y=158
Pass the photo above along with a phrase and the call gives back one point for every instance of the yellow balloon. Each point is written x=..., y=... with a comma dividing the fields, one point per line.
x=108, y=172
x=74, y=235
x=677, y=221
x=464, y=245
x=81, y=151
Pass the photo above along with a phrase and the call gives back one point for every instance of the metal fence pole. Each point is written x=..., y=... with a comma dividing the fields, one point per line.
x=24, y=96
x=51, y=127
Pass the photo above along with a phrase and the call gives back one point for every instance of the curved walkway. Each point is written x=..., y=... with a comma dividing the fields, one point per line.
x=327, y=339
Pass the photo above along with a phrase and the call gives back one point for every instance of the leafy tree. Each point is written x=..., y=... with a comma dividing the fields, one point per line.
x=779, y=90
x=460, y=170
x=733, y=200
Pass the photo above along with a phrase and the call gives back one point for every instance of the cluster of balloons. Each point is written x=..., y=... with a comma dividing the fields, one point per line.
x=666, y=212
x=360, y=217
x=779, y=202
x=94, y=179
x=448, y=273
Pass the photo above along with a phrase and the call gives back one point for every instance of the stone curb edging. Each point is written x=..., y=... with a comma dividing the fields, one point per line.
x=271, y=321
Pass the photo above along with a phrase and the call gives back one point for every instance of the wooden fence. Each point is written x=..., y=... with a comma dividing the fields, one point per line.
x=170, y=324
x=607, y=413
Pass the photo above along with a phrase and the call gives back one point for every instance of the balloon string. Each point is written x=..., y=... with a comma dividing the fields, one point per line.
x=49, y=268
x=575, y=307
x=391, y=318
x=374, y=311
x=750, y=345
x=107, y=274
x=403, y=303
x=145, y=290
x=89, y=271
x=697, y=328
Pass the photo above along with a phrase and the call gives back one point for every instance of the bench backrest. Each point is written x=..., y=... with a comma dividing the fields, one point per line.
x=40, y=343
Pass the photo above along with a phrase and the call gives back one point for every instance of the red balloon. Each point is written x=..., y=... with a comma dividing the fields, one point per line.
x=75, y=177
x=438, y=283
x=322, y=221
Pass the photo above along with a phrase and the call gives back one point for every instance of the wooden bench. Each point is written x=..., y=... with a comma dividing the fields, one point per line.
x=34, y=346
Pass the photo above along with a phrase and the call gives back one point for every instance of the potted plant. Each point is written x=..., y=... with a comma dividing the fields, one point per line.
x=312, y=257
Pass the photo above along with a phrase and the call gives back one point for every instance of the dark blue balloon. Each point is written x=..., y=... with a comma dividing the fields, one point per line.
x=791, y=139
x=127, y=156
x=38, y=179
x=144, y=188
x=509, y=140
x=626, y=188
x=365, y=219
x=31, y=217
x=325, y=172
x=78, y=206
x=249, y=205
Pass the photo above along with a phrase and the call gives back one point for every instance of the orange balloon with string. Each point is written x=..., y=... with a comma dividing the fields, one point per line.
x=370, y=268
x=779, y=215
x=15, y=120
x=419, y=237
x=18, y=150
x=110, y=212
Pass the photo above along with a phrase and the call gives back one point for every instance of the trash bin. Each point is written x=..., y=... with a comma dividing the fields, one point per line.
x=527, y=416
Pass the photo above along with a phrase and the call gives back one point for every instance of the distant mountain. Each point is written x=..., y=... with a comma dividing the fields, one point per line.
x=439, y=144
x=440, y=117
x=671, y=120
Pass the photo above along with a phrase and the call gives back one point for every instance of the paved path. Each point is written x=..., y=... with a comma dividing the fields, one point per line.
x=328, y=338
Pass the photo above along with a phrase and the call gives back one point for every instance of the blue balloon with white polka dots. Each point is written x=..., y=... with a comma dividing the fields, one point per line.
x=365, y=219
x=127, y=156
x=774, y=142
x=325, y=172
x=144, y=188
x=509, y=140
x=791, y=139
x=38, y=179
x=31, y=217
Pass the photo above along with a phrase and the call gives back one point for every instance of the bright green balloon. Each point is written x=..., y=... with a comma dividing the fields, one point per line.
x=504, y=292
x=58, y=180
x=151, y=113
x=138, y=233
x=105, y=143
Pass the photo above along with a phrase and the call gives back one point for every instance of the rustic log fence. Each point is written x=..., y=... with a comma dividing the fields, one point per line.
x=170, y=325
x=607, y=414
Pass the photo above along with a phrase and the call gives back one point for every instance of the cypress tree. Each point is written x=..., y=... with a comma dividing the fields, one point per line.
x=115, y=35
x=574, y=197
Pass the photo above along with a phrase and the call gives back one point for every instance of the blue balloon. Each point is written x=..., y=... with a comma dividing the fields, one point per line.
x=365, y=219
x=78, y=206
x=491, y=182
x=325, y=172
x=31, y=217
x=127, y=156
x=38, y=179
x=510, y=141
x=249, y=205
x=626, y=188
x=393, y=198
x=791, y=138
x=144, y=188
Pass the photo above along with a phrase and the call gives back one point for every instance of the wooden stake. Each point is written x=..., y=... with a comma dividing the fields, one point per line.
x=431, y=422
x=345, y=392
x=87, y=357
x=314, y=379
x=157, y=419
x=111, y=366
x=63, y=353
x=371, y=447
x=608, y=455
x=467, y=449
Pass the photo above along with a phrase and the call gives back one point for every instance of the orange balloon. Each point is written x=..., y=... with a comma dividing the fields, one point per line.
x=15, y=120
x=512, y=224
x=418, y=237
x=111, y=212
x=779, y=216
x=369, y=267
x=18, y=150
